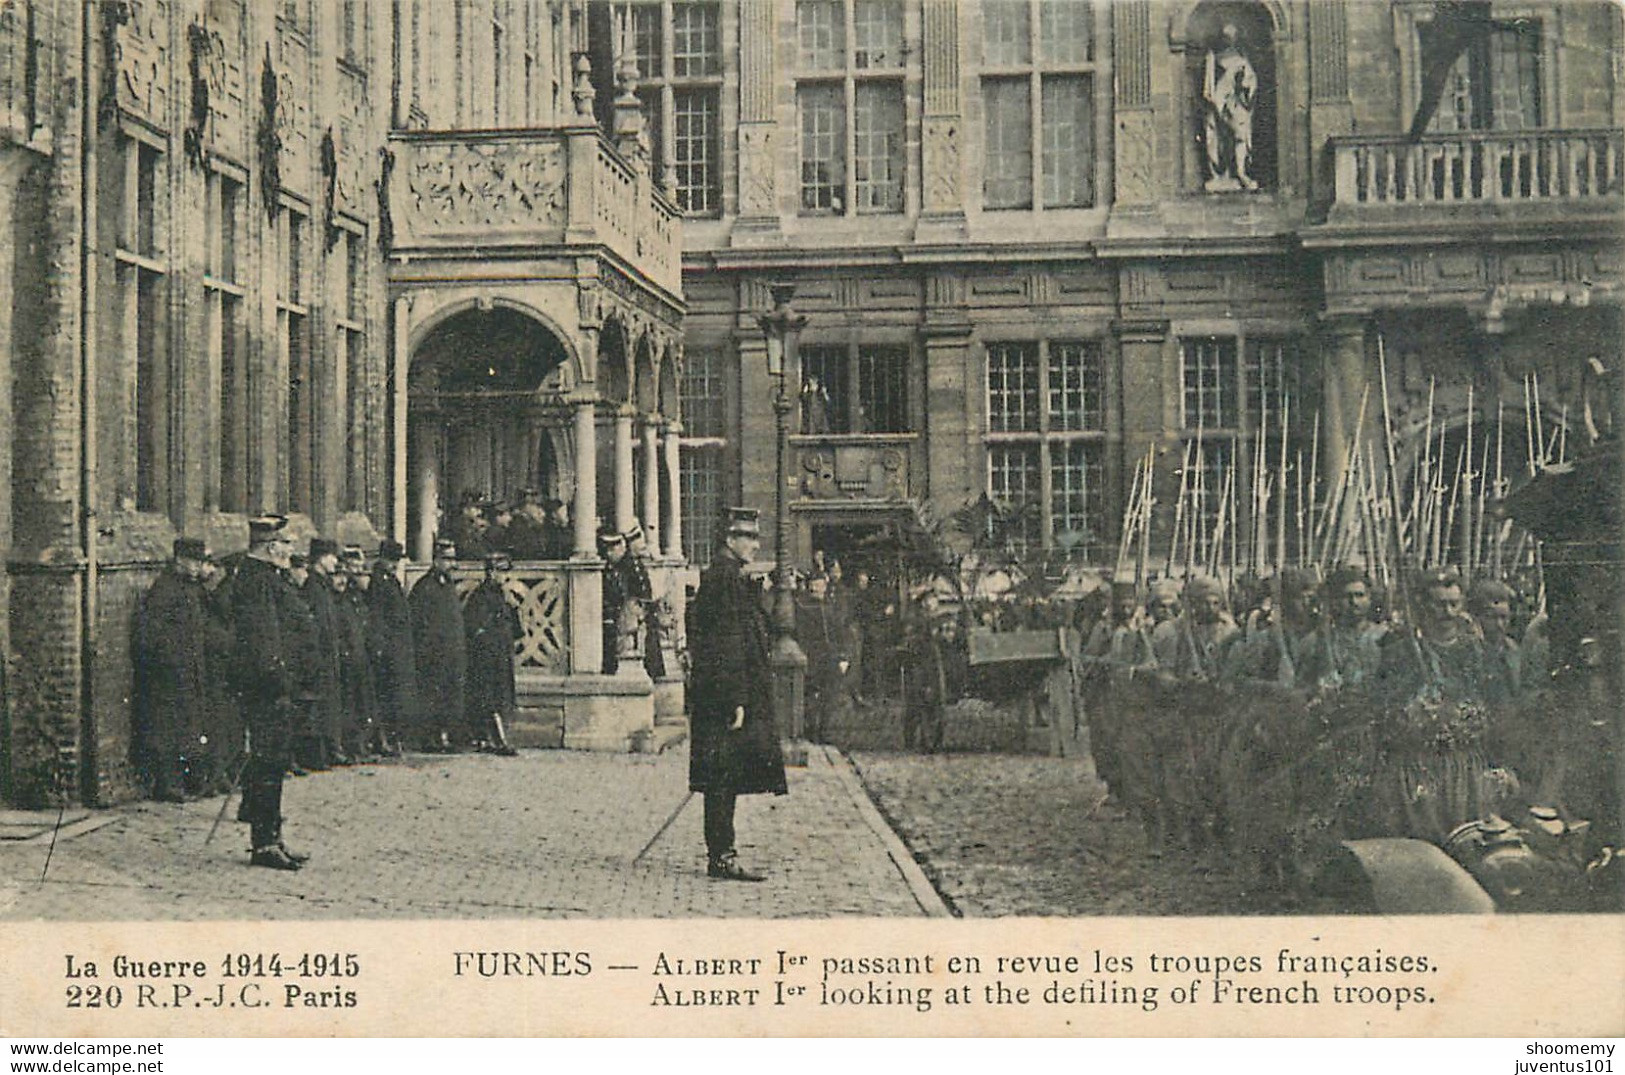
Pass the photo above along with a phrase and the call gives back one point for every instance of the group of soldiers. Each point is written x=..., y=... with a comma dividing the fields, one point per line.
x=533, y=527
x=1324, y=637
x=275, y=663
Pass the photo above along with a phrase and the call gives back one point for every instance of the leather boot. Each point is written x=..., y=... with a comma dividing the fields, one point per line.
x=725, y=867
x=272, y=857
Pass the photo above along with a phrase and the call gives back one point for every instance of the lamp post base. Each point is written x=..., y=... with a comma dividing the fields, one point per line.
x=789, y=667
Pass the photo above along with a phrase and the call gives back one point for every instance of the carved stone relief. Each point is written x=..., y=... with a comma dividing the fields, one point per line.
x=941, y=163
x=1136, y=157
x=141, y=52
x=456, y=186
x=293, y=112
x=756, y=166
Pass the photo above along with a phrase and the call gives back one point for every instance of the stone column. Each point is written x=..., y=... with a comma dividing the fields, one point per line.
x=585, y=511
x=942, y=128
x=624, y=513
x=402, y=359
x=1150, y=411
x=758, y=163
x=1343, y=381
x=426, y=474
x=673, y=530
x=651, y=480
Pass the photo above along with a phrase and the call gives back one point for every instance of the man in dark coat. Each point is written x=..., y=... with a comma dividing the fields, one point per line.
x=225, y=724
x=172, y=676
x=612, y=549
x=358, y=704
x=640, y=589
x=262, y=600
x=324, y=675
x=735, y=738
x=558, y=539
x=491, y=625
x=527, y=529
x=390, y=643
x=438, y=639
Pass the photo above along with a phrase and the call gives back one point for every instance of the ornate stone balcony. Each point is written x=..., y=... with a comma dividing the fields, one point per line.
x=853, y=467
x=1519, y=172
x=560, y=188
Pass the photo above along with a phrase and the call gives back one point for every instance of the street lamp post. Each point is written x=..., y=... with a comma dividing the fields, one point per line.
x=781, y=327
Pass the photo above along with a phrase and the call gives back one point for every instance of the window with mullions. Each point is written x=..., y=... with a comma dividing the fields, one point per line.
x=678, y=47
x=140, y=323
x=1495, y=81
x=293, y=338
x=223, y=297
x=1046, y=420
x=702, y=395
x=702, y=392
x=855, y=389
x=1236, y=392
x=350, y=357
x=849, y=95
x=1046, y=159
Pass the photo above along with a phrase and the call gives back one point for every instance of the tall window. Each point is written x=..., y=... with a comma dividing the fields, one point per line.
x=141, y=275
x=1046, y=429
x=223, y=299
x=293, y=335
x=703, y=394
x=1038, y=64
x=352, y=31
x=1236, y=390
x=350, y=353
x=855, y=388
x=849, y=94
x=679, y=53
x=1495, y=82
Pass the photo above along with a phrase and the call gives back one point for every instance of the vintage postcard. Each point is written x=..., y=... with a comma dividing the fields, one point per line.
x=835, y=517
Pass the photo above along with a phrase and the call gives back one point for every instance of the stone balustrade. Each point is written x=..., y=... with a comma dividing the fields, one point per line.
x=539, y=592
x=1477, y=168
x=561, y=187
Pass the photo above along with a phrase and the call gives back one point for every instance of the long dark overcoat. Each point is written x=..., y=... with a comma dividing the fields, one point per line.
x=394, y=656
x=262, y=600
x=438, y=637
x=491, y=625
x=728, y=641
x=324, y=677
x=171, y=671
x=357, y=695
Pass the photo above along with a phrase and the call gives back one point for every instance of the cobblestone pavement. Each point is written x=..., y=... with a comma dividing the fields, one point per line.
x=1020, y=835
x=550, y=834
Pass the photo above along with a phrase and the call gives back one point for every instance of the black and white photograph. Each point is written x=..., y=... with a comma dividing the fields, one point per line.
x=515, y=460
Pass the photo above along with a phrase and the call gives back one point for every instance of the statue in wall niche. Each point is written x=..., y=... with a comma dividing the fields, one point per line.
x=1230, y=93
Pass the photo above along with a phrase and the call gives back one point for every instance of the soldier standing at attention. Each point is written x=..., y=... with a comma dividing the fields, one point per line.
x=735, y=740
x=438, y=639
x=612, y=549
x=491, y=625
x=171, y=676
x=358, y=700
x=394, y=657
x=326, y=675
x=262, y=599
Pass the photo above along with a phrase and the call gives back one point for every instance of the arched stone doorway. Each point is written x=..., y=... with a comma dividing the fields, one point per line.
x=486, y=416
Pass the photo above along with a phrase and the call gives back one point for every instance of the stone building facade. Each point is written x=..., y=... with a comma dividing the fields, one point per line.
x=248, y=243
x=1020, y=274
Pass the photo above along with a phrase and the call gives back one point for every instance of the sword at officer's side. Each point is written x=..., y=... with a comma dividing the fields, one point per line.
x=226, y=802
x=662, y=830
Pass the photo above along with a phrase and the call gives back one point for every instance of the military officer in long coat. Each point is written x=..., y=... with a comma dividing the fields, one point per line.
x=263, y=599
x=612, y=548
x=439, y=641
x=357, y=700
x=394, y=655
x=172, y=676
x=735, y=739
x=491, y=625
x=324, y=673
